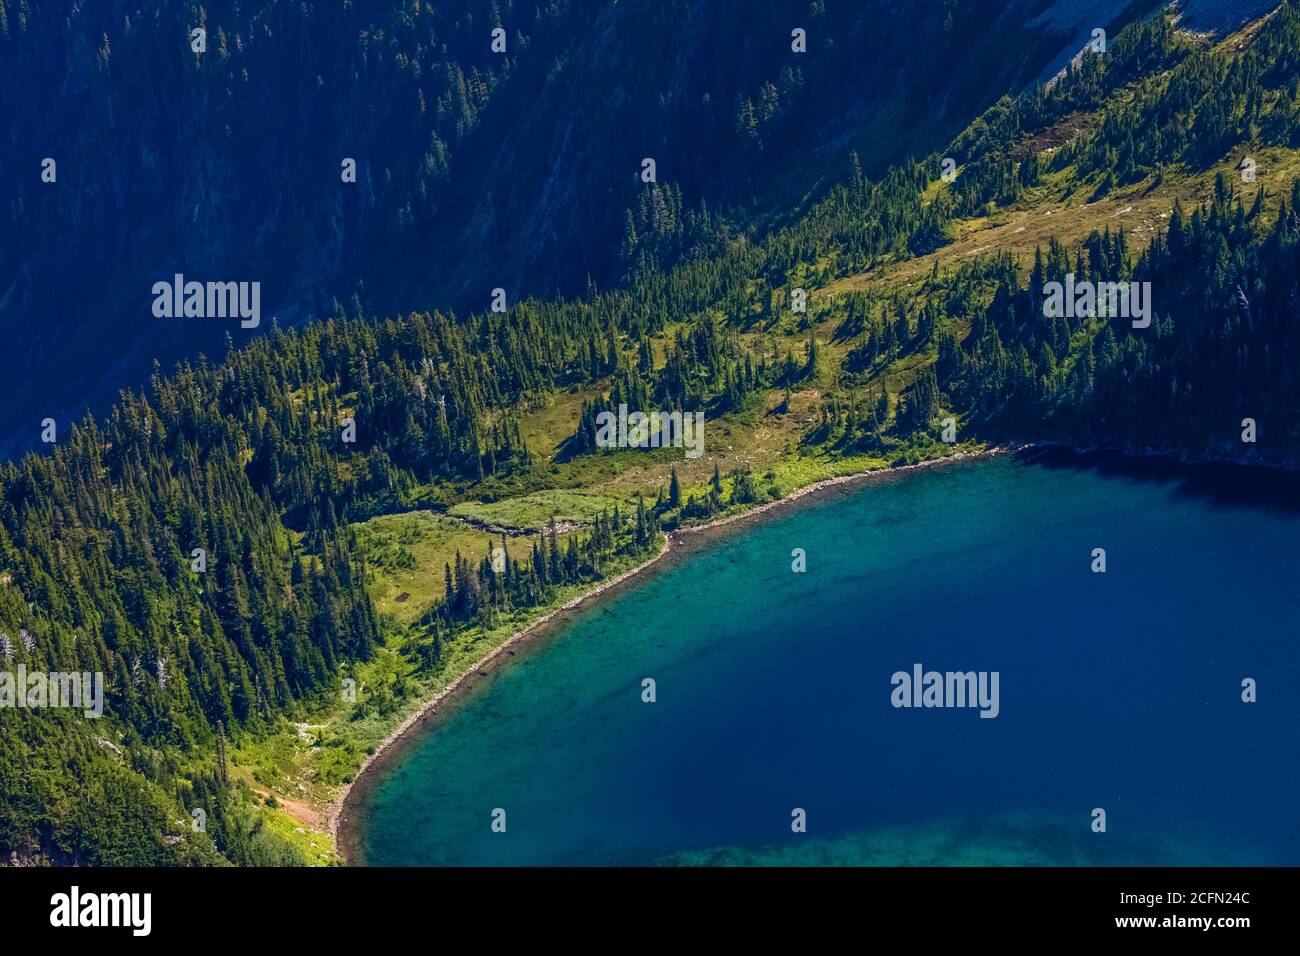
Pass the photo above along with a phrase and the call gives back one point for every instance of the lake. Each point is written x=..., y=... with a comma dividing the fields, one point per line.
x=1118, y=691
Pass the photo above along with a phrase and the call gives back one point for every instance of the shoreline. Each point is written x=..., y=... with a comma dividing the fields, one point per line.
x=681, y=542
x=1174, y=455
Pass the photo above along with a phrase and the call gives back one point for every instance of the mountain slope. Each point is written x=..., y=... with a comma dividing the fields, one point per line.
x=475, y=170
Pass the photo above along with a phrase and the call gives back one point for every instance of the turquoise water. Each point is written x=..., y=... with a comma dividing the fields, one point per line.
x=1119, y=691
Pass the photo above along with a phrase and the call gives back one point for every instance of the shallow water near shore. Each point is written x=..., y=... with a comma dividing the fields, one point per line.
x=1119, y=690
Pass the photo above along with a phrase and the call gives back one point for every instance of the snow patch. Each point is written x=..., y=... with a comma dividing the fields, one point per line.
x=1076, y=19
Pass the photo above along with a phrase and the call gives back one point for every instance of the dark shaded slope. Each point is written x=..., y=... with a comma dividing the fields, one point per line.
x=475, y=170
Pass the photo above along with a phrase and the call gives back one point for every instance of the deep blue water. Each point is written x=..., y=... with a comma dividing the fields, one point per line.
x=1119, y=690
